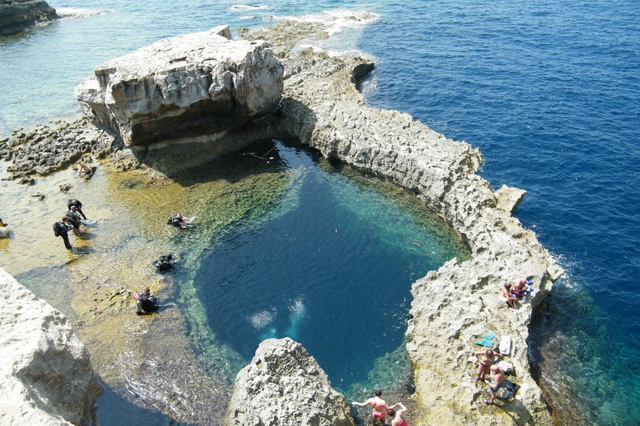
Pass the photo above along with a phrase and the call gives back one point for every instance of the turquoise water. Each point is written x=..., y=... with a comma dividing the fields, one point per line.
x=549, y=91
x=332, y=268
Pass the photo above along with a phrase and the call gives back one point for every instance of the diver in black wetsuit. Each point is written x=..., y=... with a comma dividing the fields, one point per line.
x=147, y=303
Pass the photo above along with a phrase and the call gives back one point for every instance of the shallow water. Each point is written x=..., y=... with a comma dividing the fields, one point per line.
x=284, y=244
x=548, y=90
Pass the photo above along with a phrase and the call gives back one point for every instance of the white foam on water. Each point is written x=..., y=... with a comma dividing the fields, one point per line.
x=262, y=319
x=344, y=28
x=245, y=7
x=78, y=12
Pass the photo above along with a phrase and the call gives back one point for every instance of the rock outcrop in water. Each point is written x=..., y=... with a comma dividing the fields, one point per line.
x=45, y=375
x=19, y=15
x=190, y=86
x=284, y=385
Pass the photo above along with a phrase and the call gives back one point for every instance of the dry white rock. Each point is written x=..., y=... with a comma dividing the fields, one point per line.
x=184, y=87
x=46, y=376
x=284, y=385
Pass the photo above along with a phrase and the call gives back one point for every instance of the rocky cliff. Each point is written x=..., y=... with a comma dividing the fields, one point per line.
x=191, y=86
x=45, y=375
x=18, y=15
x=284, y=385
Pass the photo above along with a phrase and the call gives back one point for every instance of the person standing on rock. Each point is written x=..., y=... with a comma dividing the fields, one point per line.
x=380, y=407
x=488, y=358
x=497, y=379
x=61, y=229
x=74, y=219
x=78, y=204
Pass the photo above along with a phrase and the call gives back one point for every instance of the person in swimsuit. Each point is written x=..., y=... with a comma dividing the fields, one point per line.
x=520, y=289
x=396, y=416
x=380, y=407
x=497, y=379
x=507, y=297
x=489, y=358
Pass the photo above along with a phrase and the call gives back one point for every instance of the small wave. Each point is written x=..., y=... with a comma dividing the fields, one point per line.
x=244, y=7
x=77, y=12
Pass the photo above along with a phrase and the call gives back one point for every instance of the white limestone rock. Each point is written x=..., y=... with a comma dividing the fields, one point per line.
x=284, y=385
x=184, y=87
x=46, y=376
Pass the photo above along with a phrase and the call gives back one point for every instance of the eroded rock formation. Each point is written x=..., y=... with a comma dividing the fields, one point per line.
x=190, y=86
x=458, y=304
x=18, y=15
x=45, y=375
x=284, y=385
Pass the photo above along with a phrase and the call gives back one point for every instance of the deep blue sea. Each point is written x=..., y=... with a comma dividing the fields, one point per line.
x=549, y=91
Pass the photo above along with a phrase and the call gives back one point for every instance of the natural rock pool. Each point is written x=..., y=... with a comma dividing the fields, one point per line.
x=285, y=244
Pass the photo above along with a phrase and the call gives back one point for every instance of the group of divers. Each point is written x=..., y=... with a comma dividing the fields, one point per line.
x=74, y=217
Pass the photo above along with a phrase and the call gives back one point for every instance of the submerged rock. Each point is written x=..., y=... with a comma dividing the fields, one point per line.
x=19, y=15
x=284, y=385
x=45, y=375
x=188, y=86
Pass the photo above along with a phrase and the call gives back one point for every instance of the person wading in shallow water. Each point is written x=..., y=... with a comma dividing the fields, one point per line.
x=78, y=205
x=74, y=219
x=380, y=407
x=61, y=229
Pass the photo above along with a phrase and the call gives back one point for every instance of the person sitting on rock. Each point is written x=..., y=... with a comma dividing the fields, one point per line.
x=84, y=171
x=74, y=219
x=147, y=303
x=396, y=416
x=507, y=297
x=4, y=230
x=520, y=289
x=165, y=263
x=78, y=205
x=486, y=359
x=379, y=407
x=180, y=221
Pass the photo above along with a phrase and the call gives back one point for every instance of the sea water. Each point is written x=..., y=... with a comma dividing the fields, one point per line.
x=549, y=91
x=330, y=267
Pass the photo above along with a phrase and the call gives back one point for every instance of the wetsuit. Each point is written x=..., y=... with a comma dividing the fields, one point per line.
x=78, y=205
x=62, y=229
x=146, y=304
x=74, y=219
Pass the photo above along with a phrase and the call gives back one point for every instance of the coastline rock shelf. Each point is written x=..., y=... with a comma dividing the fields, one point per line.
x=183, y=112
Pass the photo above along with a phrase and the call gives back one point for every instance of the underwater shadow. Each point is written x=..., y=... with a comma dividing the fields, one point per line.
x=115, y=409
x=233, y=154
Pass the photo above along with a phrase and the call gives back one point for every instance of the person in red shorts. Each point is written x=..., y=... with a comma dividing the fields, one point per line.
x=380, y=407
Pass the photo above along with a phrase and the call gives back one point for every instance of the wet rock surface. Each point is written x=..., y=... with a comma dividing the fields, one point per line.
x=46, y=149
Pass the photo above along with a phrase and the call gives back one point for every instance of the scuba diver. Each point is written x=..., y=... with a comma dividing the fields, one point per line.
x=147, y=302
x=180, y=221
x=165, y=263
